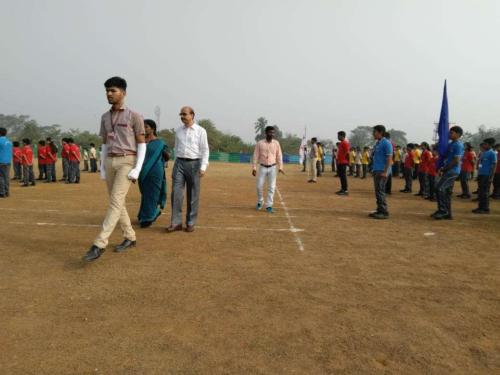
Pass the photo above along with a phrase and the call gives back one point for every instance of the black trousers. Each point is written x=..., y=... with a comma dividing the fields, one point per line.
x=464, y=182
x=483, y=192
x=388, y=184
x=421, y=182
x=365, y=170
x=432, y=183
x=407, y=172
x=496, y=185
x=396, y=168
x=318, y=168
x=93, y=165
x=342, y=171
x=379, y=183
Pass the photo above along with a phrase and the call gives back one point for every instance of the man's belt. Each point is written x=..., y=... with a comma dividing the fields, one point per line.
x=268, y=166
x=121, y=155
x=186, y=159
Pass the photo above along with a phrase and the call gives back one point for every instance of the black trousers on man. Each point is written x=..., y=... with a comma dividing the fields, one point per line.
x=407, y=172
x=342, y=172
x=496, y=186
x=464, y=182
x=483, y=192
x=379, y=183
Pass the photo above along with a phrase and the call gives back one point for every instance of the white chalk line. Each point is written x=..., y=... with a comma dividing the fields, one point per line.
x=294, y=230
x=42, y=224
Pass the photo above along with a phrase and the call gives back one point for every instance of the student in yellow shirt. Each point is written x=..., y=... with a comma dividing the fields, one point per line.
x=397, y=161
x=321, y=154
x=417, y=153
x=365, y=160
x=352, y=158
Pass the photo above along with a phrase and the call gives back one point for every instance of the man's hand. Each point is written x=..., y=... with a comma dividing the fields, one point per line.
x=383, y=174
x=281, y=171
x=254, y=172
x=103, y=173
x=134, y=174
x=202, y=173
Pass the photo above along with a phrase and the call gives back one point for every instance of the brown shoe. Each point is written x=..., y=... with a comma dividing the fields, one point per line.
x=174, y=228
x=190, y=228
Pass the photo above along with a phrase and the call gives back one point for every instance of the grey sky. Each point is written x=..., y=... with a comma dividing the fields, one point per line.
x=329, y=64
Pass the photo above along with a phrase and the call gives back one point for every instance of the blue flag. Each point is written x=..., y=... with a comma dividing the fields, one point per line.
x=443, y=128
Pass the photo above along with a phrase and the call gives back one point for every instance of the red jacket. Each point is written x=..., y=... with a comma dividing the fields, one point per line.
x=74, y=152
x=425, y=161
x=343, y=152
x=27, y=154
x=42, y=155
x=17, y=155
x=65, y=151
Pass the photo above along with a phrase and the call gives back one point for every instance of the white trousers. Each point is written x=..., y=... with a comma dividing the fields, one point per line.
x=269, y=174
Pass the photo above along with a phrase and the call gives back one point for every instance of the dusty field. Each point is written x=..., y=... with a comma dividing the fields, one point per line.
x=238, y=296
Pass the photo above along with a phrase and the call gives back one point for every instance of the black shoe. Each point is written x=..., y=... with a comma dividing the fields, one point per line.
x=418, y=194
x=33, y=183
x=94, y=253
x=475, y=192
x=146, y=224
x=443, y=216
x=436, y=213
x=405, y=191
x=125, y=245
x=379, y=215
x=480, y=211
x=342, y=192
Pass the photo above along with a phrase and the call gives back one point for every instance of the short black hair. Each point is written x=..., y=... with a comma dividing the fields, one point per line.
x=379, y=129
x=3, y=132
x=26, y=141
x=116, y=82
x=92, y=145
x=69, y=140
x=341, y=133
x=489, y=141
x=15, y=144
x=151, y=124
x=268, y=128
x=457, y=129
x=41, y=143
x=314, y=139
x=387, y=135
x=48, y=139
x=410, y=145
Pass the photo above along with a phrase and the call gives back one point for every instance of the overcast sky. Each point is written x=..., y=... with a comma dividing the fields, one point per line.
x=327, y=64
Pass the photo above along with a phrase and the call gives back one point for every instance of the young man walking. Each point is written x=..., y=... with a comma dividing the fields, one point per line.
x=382, y=161
x=448, y=174
x=5, y=160
x=191, y=162
x=487, y=167
x=268, y=156
x=342, y=162
x=123, y=153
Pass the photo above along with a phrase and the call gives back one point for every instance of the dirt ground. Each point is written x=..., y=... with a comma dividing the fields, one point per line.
x=315, y=288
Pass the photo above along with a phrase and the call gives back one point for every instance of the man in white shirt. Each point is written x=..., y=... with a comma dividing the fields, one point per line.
x=191, y=162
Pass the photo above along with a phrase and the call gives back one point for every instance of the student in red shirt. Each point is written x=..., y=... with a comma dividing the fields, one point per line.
x=425, y=160
x=342, y=162
x=65, y=161
x=74, y=162
x=496, y=179
x=408, y=168
x=27, y=162
x=42, y=161
x=51, y=162
x=17, y=161
x=432, y=172
x=468, y=163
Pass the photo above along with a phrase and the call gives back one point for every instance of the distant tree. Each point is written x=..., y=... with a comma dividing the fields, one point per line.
x=290, y=144
x=15, y=124
x=482, y=133
x=260, y=129
x=30, y=130
x=220, y=141
x=168, y=135
x=83, y=139
x=361, y=136
x=398, y=137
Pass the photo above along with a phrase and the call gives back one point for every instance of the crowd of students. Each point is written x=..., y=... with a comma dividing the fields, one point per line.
x=21, y=157
x=416, y=163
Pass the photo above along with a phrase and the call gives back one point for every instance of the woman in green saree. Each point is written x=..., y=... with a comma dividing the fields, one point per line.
x=152, y=180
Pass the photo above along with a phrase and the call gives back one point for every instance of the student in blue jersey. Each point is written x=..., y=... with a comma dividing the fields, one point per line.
x=448, y=174
x=487, y=167
x=5, y=160
x=382, y=161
